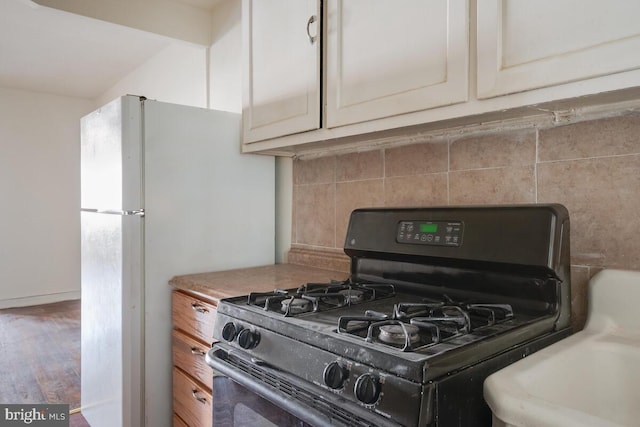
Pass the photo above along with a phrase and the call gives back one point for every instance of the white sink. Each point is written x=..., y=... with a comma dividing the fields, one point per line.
x=591, y=378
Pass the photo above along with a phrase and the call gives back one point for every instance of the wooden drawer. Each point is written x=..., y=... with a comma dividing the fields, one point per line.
x=177, y=421
x=193, y=316
x=191, y=402
x=188, y=355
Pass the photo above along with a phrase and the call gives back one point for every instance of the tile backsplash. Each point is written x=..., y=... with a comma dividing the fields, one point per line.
x=591, y=167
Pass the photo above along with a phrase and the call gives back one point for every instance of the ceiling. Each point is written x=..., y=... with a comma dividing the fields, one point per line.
x=52, y=51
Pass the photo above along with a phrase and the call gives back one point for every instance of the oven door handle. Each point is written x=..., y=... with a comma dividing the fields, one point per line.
x=217, y=358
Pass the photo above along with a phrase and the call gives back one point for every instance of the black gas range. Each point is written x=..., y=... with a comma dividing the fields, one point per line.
x=437, y=299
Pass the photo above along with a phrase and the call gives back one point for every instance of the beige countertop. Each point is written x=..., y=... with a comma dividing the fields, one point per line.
x=229, y=283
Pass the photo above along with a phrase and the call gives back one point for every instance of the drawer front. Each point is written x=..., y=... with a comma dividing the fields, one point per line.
x=177, y=421
x=193, y=316
x=191, y=402
x=188, y=355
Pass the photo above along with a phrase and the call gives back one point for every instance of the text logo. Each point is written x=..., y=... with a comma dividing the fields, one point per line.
x=34, y=415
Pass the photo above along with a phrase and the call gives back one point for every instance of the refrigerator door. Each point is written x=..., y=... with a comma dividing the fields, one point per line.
x=111, y=247
x=111, y=157
x=111, y=265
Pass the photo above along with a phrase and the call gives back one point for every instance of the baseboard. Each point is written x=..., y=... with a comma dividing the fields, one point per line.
x=39, y=299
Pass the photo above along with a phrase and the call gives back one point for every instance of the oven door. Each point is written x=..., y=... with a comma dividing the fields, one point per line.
x=246, y=389
x=236, y=406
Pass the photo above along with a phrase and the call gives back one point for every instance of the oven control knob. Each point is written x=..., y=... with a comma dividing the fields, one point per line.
x=334, y=375
x=367, y=389
x=229, y=331
x=248, y=339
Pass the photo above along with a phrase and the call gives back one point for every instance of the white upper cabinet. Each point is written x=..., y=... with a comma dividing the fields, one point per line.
x=323, y=75
x=281, y=59
x=385, y=57
x=524, y=45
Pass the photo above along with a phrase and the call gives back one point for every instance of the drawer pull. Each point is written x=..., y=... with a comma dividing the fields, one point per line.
x=194, y=392
x=196, y=350
x=199, y=307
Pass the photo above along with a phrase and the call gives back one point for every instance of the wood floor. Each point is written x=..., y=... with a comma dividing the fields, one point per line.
x=40, y=355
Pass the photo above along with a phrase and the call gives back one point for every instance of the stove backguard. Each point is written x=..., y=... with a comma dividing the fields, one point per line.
x=517, y=254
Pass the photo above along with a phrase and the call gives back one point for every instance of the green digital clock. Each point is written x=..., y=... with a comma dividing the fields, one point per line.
x=428, y=228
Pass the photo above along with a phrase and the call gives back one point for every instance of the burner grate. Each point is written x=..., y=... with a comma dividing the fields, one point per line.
x=314, y=297
x=412, y=326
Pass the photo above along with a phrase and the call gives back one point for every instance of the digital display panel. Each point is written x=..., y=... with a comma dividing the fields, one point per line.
x=428, y=228
x=433, y=233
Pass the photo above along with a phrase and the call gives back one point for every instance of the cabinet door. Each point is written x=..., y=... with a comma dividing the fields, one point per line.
x=525, y=45
x=386, y=57
x=281, y=49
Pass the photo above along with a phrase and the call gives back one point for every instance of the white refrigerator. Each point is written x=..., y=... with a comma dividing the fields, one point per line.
x=164, y=192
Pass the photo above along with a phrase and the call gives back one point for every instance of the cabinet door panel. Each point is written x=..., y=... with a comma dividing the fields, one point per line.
x=527, y=45
x=281, y=93
x=384, y=58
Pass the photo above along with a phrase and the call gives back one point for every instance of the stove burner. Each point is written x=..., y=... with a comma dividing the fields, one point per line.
x=412, y=326
x=316, y=297
x=397, y=333
x=347, y=292
x=407, y=310
x=295, y=305
x=352, y=296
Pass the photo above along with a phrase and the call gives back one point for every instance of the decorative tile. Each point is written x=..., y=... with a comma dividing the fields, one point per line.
x=591, y=167
x=314, y=171
x=488, y=151
x=359, y=166
x=416, y=159
x=353, y=195
x=416, y=190
x=315, y=215
x=602, y=196
x=596, y=138
x=492, y=186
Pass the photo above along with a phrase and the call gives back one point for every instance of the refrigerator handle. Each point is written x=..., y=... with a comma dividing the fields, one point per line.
x=138, y=212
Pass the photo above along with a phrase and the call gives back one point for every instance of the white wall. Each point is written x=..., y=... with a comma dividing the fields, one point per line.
x=225, y=78
x=40, y=169
x=178, y=74
x=40, y=173
x=39, y=197
x=225, y=58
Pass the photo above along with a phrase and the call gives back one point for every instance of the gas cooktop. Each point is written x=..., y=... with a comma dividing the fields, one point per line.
x=436, y=297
